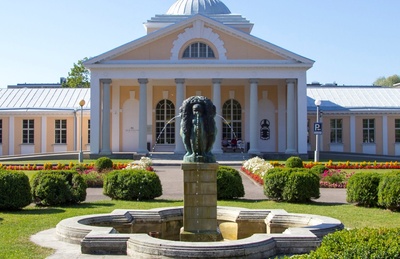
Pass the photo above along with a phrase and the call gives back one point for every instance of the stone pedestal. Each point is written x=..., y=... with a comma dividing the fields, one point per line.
x=200, y=203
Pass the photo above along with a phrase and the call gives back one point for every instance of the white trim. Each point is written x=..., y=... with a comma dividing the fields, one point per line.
x=198, y=31
x=115, y=118
x=44, y=134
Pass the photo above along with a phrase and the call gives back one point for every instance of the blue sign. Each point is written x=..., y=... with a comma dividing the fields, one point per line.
x=318, y=128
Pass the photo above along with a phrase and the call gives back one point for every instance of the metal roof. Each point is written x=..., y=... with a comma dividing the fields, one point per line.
x=353, y=99
x=43, y=98
x=189, y=7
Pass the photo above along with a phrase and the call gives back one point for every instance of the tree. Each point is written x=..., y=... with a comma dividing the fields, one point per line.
x=78, y=77
x=388, y=82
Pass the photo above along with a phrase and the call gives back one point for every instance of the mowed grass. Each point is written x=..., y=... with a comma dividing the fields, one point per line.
x=16, y=227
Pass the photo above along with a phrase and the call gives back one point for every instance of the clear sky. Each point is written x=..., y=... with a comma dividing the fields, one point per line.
x=353, y=42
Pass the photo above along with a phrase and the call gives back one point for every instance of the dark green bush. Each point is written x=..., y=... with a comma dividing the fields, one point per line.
x=389, y=191
x=103, y=164
x=294, y=162
x=380, y=243
x=274, y=182
x=291, y=184
x=15, y=191
x=58, y=187
x=301, y=186
x=229, y=183
x=318, y=169
x=362, y=188
x=132, y=184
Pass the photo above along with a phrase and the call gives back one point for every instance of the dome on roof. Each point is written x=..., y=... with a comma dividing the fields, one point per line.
x=189, y=7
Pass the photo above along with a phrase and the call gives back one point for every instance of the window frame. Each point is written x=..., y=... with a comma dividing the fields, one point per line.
x=28, y=131
x=1, y=131
x=60, y=131
x=336, y=131
x=368, y=130
x=232, y=119
x=165, y=113
x=198, y=50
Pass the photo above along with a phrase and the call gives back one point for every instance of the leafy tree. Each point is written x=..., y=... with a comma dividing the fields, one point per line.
x=78, y=77
x=388, y=82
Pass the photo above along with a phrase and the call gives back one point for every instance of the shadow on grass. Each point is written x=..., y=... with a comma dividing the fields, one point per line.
x=315, y=203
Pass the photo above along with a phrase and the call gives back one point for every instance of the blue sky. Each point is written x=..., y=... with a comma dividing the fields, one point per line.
x=353, y=42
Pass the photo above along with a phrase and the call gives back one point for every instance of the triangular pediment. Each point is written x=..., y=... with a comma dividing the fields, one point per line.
x=165, y=46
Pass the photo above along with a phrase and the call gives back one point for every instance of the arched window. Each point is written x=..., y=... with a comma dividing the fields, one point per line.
x=198, y=50
x=165, y=126
x=232, y=125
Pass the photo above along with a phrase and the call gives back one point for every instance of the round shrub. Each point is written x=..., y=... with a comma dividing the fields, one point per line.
x=358, y=243
x=389, y=191
x=15, y=191
x=229, y=183
x=301, y=186
x=294, y=162
x=132, y=184
x=58, y=187
x=362, y=188
x=103, y=164
x=274, y=182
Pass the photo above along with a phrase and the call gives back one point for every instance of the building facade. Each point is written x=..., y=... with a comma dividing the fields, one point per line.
x=198, y=48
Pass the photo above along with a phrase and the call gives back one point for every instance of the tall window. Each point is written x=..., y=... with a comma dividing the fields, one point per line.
x=1, y=131
x=198, y=50
x=28, y=132
x=60, y=132
x=88, y=132
x=369, y=130
x=232, y=122
x=336, y=130
x=165, y=126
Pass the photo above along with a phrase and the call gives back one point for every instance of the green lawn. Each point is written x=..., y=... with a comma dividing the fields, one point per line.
x=17, y=227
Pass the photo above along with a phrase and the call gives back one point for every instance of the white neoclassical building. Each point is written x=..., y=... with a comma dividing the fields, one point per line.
x=198, y=48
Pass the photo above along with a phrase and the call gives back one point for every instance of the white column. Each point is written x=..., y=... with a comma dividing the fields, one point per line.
x=105, y=122
x=290, y=118
x=180, y=93
x=385, y=148
x=218, y=122
x=11, y=136
x=281, y=119
x=44, y=134
x=115, y=121
x=352, y=129
x=95, y=104
x=142, y=149
x=254, y=134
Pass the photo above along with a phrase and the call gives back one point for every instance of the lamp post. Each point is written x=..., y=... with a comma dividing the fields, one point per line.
x=81, y=103
x=317, y=133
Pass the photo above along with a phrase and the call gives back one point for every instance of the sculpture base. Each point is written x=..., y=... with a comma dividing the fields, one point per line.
x=205, y=236
x=200, y=202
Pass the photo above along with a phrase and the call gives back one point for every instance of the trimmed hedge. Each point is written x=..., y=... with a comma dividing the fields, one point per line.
x=229, y=183
x=318, y=169
x=294, y=162
x=58, y=187
x=132, y=184
x=389, y=191
x=291, y=184
x=358, y=243
x=15, y=191
x=362, y=188
x=103, y=164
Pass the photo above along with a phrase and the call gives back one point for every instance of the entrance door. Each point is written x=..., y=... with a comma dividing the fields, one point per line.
x=130, y=125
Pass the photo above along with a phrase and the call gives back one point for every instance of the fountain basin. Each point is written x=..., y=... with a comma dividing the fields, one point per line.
x=247, y=233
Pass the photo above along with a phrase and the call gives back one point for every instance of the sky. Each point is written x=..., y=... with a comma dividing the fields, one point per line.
x=353, y=42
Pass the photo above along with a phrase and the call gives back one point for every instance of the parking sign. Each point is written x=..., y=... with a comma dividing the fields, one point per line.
x=317, y=128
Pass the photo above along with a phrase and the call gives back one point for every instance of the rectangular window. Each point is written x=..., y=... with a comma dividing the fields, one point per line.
x=60, y=132
x=28, y=131
x=397, y=130
x=369, y=130
x=88, y=132
x=336, y=130
x=1, y=131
